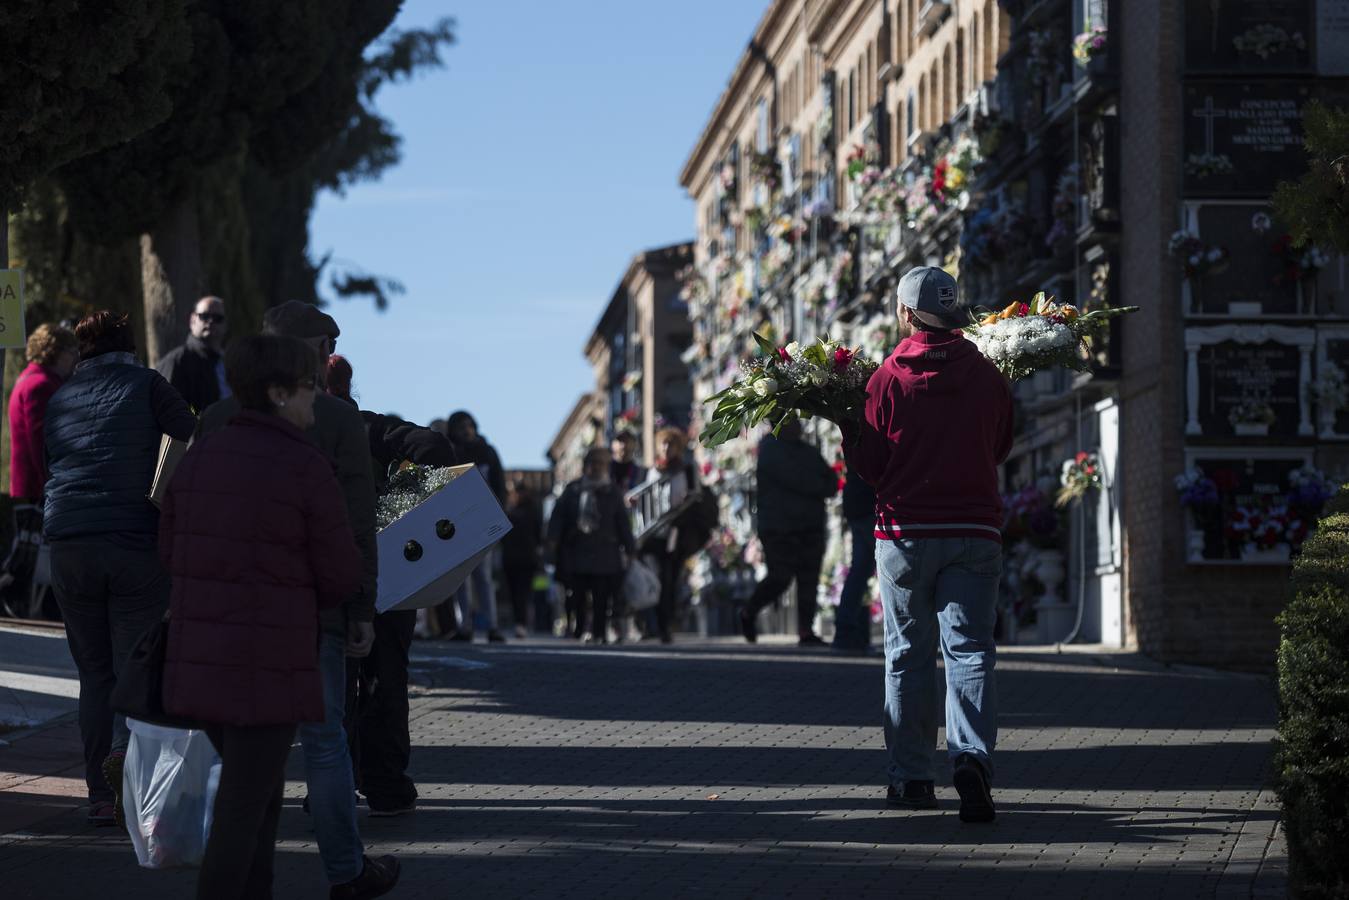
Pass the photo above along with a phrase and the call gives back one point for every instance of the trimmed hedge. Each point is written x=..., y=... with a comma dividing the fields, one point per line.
x=1313, y=758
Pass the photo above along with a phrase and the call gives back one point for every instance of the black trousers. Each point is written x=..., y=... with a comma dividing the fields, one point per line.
x=242, y=845
x=520, y=586
x=791, y=557
x=670, y=568
x=600, y=591
x=377, y=713
x=110, y=595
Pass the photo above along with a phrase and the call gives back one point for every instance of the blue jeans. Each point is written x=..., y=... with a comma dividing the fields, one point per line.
x=852, y=620
x=947, y=589
x=483, y=591
x=327, y=764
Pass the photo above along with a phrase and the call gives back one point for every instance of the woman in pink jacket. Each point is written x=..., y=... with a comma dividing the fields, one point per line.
x=52, y=353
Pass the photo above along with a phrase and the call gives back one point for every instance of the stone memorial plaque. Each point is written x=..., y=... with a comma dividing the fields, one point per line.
x=1330, y=389
x=1249, y=390
x=1242, y=139
x=1256, y=280
x=1249, y=489
x=1249, y=381
x=1332, y=37
x=1249, y=35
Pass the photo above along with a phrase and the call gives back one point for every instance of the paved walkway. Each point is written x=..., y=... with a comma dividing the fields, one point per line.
x=718, y=770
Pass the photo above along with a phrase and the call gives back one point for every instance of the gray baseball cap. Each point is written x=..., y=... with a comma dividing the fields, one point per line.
x=934, y=298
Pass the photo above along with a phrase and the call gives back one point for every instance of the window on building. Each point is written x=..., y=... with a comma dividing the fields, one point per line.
x=990, y=40
x=962, y=62
x=911, y=114
x=922, y=106
x=761, y=126
x=934, y=97
x=976, y=61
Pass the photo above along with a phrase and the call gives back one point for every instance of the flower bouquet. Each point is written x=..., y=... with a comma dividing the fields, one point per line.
x=783, y=383
x=1197, y=490
x=1080, y=474
x=1199, y=258
x=1042, y=334
x=1089, y=43
x=408, y=486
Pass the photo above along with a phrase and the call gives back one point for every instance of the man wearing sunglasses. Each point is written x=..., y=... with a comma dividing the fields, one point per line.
x=197, y=368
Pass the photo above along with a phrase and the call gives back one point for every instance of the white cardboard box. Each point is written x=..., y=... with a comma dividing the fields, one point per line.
x=454, y=529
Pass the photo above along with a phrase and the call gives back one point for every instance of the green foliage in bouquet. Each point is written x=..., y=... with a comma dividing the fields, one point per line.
x=1313, y=757
x=823, y=378
x=408, y=487
x=1317, y=204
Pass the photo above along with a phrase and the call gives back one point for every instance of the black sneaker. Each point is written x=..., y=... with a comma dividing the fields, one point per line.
x=747, y=626
x=389, y=810
x=971, y=782
x=916, y=795
x=377, y=878
x=495, y=637
x=113, y=767
x=810, y=640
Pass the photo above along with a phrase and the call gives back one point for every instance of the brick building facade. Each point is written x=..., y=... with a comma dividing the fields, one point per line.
x=1094, y=151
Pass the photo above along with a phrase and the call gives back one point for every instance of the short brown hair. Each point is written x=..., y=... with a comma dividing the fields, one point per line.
x=679, y=438
x=48, y=342
x=103, y=332
x=254, y=364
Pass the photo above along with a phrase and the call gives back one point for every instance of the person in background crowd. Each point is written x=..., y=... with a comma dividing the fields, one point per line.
x=52, y=354
x=794, y=482
x=852, y=622
x=473, y=448
x=197, y=368
x=667, y=543
x=626, y=472
x=103, y=429
x=937, y=425
x=520, y=551
x=588, y=534
x=349, y=630
x=256, y=537
x=377, y=686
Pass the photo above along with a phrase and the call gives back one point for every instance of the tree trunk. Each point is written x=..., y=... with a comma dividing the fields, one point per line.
x=171, y=274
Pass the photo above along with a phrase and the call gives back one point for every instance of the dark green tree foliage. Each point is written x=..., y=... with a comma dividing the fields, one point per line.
x=1313, y=757
x=280, y=198
x=79, y=76
x=1317, y=205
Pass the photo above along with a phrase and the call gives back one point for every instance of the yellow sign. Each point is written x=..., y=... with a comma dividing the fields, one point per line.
x=12, y=334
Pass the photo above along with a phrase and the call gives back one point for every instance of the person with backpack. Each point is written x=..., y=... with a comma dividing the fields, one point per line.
x=794, y=482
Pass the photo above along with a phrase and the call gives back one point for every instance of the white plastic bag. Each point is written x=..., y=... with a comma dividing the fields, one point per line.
x=641, y=586
x=168, y=792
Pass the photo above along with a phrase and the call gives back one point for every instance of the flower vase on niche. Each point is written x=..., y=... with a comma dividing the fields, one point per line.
x=1195, y=541
x=1279, y=553
x=1054, y=617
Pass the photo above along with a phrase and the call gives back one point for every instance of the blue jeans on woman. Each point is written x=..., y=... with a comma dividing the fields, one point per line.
x=939, y=590
x=327, y=765
x=852, y=620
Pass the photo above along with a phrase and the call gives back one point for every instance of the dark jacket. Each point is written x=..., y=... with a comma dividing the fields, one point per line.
x=793, y=481
x=937, y=425
x=484, y=456
x=521, y=547
x=596, y=552
x=627, y=475
x=393, y=441
x=340, y=433
x=859, y=500
x=194, y=370
x=102, y=433
x=255, y=535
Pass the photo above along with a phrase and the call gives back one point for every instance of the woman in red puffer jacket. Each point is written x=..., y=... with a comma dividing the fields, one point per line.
x=254, y=532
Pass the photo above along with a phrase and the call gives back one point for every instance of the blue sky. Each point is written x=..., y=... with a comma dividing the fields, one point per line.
x=534, y=166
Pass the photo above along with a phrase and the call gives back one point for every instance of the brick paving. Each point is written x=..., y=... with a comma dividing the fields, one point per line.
x=719, y=770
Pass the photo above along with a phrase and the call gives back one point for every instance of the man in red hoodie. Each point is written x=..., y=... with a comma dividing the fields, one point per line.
x=938, y=423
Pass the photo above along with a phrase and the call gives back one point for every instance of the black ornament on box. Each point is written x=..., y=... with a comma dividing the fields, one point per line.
x=412, y=551
x=444, y=529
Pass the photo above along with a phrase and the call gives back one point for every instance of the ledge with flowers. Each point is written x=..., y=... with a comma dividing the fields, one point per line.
x=1229, y=521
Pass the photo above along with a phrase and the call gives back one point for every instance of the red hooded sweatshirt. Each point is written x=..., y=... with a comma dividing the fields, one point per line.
x=938, y=423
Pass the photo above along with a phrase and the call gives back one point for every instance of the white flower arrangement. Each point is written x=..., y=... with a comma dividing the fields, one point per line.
x=1266, y=40
x=1331, y=389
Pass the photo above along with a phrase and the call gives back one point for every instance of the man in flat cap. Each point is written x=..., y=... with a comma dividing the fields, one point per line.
x=339, y=432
